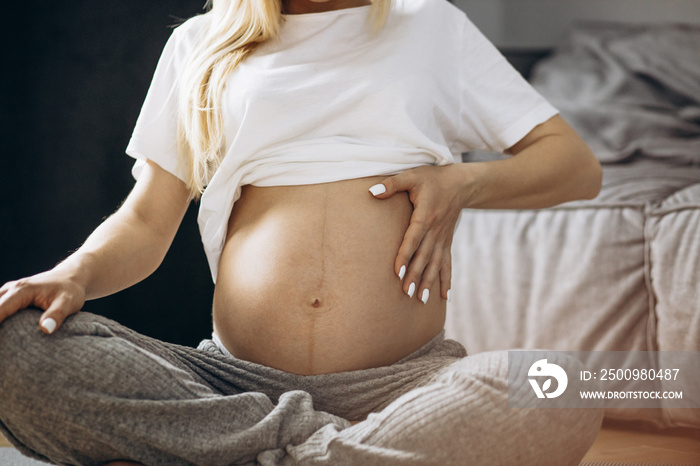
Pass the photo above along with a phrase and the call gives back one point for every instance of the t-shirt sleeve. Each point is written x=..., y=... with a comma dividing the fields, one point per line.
x=497, y=107
x=155, y=134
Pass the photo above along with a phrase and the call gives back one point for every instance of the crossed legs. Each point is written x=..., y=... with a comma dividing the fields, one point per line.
x=96, y=392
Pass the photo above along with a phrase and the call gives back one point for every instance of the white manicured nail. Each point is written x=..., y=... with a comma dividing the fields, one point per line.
x=449, y=296
x=402, y=272
x=424, y=297
x=49, y=324
x=411, y=289
x=377, y=189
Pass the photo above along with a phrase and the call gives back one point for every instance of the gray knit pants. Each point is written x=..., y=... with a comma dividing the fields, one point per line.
x=96, y=391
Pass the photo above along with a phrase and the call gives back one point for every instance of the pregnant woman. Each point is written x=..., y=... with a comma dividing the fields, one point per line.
x=319, y=138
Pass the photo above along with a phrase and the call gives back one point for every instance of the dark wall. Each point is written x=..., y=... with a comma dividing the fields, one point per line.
x=75, y=75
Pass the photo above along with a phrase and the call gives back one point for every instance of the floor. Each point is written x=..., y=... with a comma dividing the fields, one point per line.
x=626, y=443
x=3, y=442
x=617, y=444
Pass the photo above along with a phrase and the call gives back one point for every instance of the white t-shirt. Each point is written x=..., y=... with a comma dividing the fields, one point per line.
x=328, y=102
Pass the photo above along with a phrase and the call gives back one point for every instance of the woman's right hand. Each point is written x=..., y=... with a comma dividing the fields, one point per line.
x=54, y=292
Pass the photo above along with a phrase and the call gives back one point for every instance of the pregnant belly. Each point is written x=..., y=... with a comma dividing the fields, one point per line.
x=306, y=280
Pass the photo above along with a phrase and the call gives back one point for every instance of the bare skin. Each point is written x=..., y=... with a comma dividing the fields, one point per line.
x=316, y=6
x=309, y=271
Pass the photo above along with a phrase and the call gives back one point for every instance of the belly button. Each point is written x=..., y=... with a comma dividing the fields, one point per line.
x=316, y=303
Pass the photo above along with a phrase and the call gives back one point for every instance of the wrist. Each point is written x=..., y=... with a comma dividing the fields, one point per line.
x=75, y=268
x=466, y=180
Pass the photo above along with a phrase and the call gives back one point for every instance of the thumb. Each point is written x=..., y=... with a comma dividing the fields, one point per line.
x=390, y=186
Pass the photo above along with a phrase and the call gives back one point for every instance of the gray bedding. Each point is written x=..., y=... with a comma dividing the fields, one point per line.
x=629, y=90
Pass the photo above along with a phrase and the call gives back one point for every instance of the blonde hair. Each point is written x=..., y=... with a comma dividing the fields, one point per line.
x=233, y=31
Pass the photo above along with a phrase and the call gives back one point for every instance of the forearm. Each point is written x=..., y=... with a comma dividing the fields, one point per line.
x=130, y=244
x=122, y=251
x=549, y=170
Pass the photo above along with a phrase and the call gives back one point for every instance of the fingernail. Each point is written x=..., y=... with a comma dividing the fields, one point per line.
x=411, y=289
x=424, y=297
x=49, y=325
x=402, y=272
x=449, y=296
x=377, y=189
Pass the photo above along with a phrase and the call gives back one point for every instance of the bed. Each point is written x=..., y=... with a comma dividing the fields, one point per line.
x=620, y=272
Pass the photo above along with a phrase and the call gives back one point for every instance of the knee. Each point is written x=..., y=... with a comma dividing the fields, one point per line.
x=20, y=336
x=561, y=429
x=17, y=332
x=480, y=387
x=20, y=320
x=28, y=356
x=556, y=431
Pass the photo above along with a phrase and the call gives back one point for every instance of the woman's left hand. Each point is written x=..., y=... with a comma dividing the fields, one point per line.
x=438, y=194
